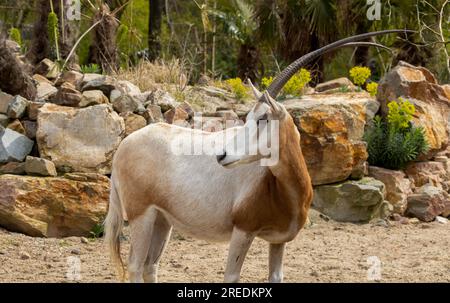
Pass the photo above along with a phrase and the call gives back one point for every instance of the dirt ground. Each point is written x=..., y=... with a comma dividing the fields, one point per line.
x=324, y=252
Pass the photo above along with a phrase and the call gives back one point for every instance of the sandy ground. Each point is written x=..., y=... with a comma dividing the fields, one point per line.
x=324, y=252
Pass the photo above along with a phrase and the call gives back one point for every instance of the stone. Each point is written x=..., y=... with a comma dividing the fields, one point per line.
x=419, y=86
x=209, y=124
x=4, y=120
x=154, y=114
x=52, y=207
x=352, y=201
x=75, y=252
x=13, y=45
x=25, y=256
x=33, y=110
x=67, y=95
x=17, y=107
x=128, y=88
x=332, y=129
x=426, y=203
x=13, y=146
x=40, y=167
x=163, y=99
x=30, y=128
x=93, y=97
x=176, y=116
x=446, y=89
x=5, y=100
x=442, y=220
x=84, y=240
x=17, y=126
x=13, y=168
x=187, y=108
x=114, y=95
x=47, y=68
x=90, y=77
x=73, y=77
x=227, y=115
x=105, y=83
x=398, y=186
x=82, y=140
x=430, y=172
x=45, y=91
x=335, y=85
x=133, y=122
x=126, y=103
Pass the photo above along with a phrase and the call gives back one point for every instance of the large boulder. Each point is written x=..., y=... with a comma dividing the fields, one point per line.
x=430, y=172
x=82, y=140
x=13, y=146
x=52, y=207
x=418, y=85
x=427, y=203
x=331, y=128
x=398, y=186
x=352, y=201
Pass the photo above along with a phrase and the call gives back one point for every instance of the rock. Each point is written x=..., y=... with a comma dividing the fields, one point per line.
x=227, y=115
x=13, y=146
x=446, y=89
x=90, y=77
x=126, y=103
x=84, y=240
x=39, y=167
x=430, y=172
x=133, y=122
x=67, y=95
x=73, y=77
x=352, y=201
x=16, y=126
x=13, y=168
x=209, y=124
x=105, y=83
x=85, y=177
x=335, y=85
x=332, y=128
x=427, y=203
x=187, y=108
x=153, y=114
x=75, y=252
x=398, y=187
x=33, y=110
x=114, y=95
x=4, y=120
x=418, y=85
x=30, y=129
x=17, y=107
x=128, y=88
x=163, y=99
x=13, y=45
x=93, y=97
x=47, y=68
x=82, y=140
x=441, y=220
x=5, y=100
x=45, y=91
x=51, y=207
x=25, y=256
x=176, y=116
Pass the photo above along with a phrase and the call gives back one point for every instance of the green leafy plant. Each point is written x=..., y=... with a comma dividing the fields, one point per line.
x=97, y=231
x=360, y=74
x=238, y=88
x=393, y=142
x=91, y=69
x=372, y=88
x=14, y=35
x=295, y=86
x=53, y=30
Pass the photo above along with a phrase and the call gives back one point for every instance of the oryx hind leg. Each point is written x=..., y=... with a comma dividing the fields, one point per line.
x=141, y=231
x=159, y=239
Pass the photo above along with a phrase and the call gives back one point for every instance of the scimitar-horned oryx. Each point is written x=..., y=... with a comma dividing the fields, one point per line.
x=227, y=196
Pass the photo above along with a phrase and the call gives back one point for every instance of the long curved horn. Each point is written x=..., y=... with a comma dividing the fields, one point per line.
x=373, y=44
x=278, y=83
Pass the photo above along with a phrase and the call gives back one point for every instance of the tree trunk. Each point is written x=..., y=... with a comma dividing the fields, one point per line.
x=248, y=60
x=116, y=4
x=13, y=79
x=317, y=66
x=69, y=34
x=40, y=44
x=154, y=29
x=103, y=50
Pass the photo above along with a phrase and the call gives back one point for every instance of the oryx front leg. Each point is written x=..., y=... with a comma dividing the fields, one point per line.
x=276, y=252
x=239, y=245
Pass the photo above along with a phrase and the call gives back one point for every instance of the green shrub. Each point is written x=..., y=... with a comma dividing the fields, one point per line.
x=360, y=74
x=394, y=141
x=91, y=69
x=238, y=88
x=14, y=35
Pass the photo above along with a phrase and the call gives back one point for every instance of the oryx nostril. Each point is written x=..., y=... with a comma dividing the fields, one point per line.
x=221, y=157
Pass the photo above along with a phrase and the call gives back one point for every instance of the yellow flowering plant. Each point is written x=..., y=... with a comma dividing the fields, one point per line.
x=372, y=88
x=360, y=74
x=294, y=86
x=238, y=88
x=400, y=113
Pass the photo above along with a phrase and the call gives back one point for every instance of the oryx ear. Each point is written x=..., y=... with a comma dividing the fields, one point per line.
x=256, y=92
x=270, y=101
